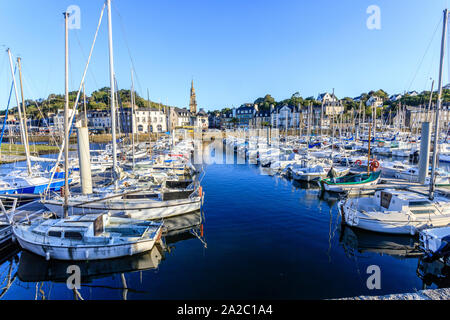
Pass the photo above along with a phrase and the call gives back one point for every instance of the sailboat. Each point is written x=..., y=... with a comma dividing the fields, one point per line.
x=399, y=211
x=32, y=182
x=83, y=237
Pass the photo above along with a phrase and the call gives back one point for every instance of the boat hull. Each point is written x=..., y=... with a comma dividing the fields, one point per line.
x=356, y=219
x=86, y=252
x=37, y=189
x=140, y=211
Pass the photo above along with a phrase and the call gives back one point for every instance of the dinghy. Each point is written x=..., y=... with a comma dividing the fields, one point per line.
x=354, y=183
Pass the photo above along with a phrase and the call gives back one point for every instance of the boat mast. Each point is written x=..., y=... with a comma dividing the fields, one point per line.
x=112, y=89
x=438, y=106
x=427, y=117
x=25, y=126
x=132, y=115
x=368, y=152
x=66, y=120
x=21, y=124
x=84, y=106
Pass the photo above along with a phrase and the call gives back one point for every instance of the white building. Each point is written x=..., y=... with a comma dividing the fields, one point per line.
x=58, y=119
x=374, y=101
x=201, y=120
x=150, y=120
x=327, y=97
x=285, y=116
x=99, y=119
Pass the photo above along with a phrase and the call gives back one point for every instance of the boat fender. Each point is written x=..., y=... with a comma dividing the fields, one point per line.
x=87, y=254
x=412, y=230
x=358, y=162
x=47, y=255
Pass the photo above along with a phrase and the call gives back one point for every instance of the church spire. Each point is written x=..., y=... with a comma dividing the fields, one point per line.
x=192, y=100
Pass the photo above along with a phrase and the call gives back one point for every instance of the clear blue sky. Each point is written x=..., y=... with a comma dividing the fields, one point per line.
x=235, y=50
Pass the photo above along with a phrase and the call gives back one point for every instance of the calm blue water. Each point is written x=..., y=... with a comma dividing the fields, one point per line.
x=266, y=237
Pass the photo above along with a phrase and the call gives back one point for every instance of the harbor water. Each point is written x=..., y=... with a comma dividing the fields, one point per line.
x=262, y=237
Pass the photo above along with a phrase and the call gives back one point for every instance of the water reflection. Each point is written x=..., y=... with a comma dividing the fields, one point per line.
x=433, y=273
x=8, y=265
x=356, y=241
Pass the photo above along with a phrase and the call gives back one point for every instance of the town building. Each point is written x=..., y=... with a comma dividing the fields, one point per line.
x=200, y=120
x=245, y=114
x=226, y=119
x=374, y=101
x=415, y=115
x=178, y=118
x=150, y=120
x=285, y=116
x=326, y=97
x=99, y=120
x=58, y=120
x=262, y=119
x=331, y=108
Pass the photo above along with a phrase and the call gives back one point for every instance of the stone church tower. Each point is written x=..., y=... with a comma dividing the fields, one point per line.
x=193, y=100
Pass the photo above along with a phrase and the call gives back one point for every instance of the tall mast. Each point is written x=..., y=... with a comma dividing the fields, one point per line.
x=21, y=124
x=66, y=120
x=25, y=126
x=112, y=88
x=427, y=117
x=84, y=106
x=132, y=115
x=24, y=110
x=150, y=118
x=438, y=106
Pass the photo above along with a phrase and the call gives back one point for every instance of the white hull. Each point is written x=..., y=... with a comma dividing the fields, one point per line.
x=308, y=176
x=349, y=188
x=86, y=252
x=134, y=210
x=390, y=225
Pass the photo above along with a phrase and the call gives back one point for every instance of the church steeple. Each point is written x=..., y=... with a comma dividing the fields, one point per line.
x=193, y=100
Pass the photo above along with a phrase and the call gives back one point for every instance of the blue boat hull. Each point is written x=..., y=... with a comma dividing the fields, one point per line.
x=38, y=189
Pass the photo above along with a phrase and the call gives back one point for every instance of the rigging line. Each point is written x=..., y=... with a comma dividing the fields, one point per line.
x=423, y=57
x=28, y=87
x=85, y=58
x=7, y=108
x=122, y=27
